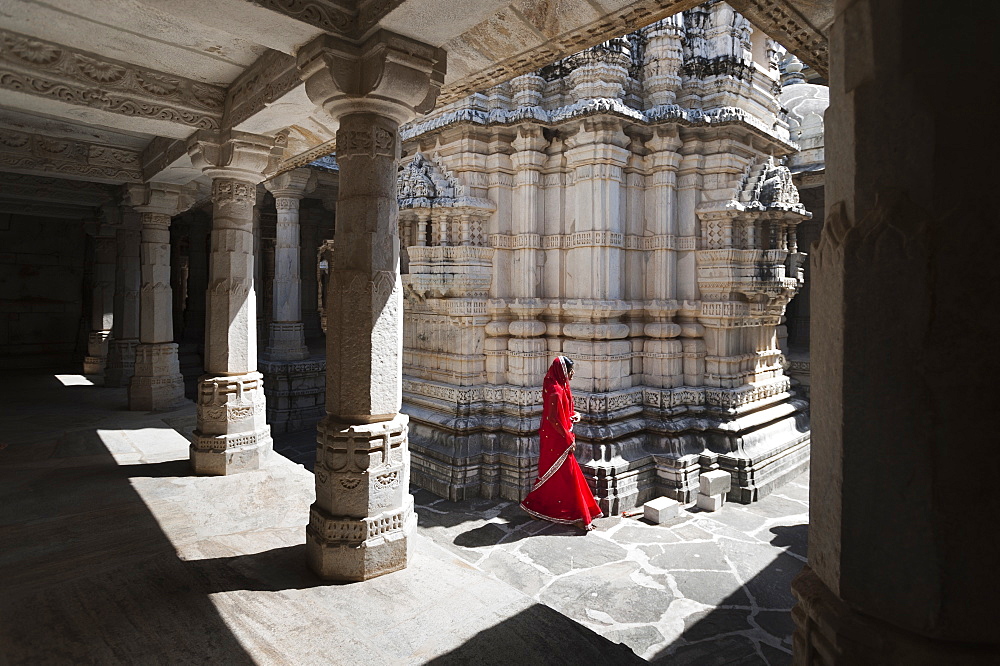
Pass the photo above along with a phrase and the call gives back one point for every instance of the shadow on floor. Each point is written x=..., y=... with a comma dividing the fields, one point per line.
x=713, y=638
x=537, y=635
x=88, y=574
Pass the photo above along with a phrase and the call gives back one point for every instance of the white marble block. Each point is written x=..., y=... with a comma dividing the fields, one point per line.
x=714, y=483
x=711, y=502
x=660, y=510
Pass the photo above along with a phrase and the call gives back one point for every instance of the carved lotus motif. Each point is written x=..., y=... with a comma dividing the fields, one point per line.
x=208, y=96
x=31, y=51
x=101, y=72
x=158, y=85
x=52, y=146
x=13, y=139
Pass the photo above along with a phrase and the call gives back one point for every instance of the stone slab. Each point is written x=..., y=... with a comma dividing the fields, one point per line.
x=661, y=509
x=716, y=482
x=710, y=503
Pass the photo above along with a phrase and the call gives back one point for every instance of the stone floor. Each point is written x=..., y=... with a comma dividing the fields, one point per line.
x=113, y=553
x=706, y=588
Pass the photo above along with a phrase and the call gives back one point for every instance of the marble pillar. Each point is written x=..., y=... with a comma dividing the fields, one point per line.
x=232, y=434
x=128, y=281
x=286, y=332
x=362, y=523
x=101, y=302
x=157, y=382
x=295, y=382
x=902, y=323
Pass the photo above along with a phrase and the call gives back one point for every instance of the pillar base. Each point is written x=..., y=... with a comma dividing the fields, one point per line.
x=232, y=434
x=287, y=342
x=230, y=454
x=121, y=363
x=355, y=549
x=362, y=522
x=157, y=383
x=296, y=393
x=97, y=353
x=828, y=631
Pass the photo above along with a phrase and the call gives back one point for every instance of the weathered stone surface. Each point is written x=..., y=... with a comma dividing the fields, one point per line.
x=609, y=207
x=620, y=596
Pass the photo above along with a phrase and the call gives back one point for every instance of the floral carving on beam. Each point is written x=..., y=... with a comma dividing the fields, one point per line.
x=41, y=68
x=22, y=151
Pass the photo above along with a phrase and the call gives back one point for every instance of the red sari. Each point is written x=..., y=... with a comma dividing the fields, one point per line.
x=560, y=493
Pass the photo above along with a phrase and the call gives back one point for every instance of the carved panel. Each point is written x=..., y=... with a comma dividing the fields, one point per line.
x=45, y=69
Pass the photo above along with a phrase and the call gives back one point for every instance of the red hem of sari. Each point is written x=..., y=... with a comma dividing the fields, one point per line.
x=561, y=521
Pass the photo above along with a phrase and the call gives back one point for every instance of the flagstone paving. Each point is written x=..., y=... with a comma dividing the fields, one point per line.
x=704, y=588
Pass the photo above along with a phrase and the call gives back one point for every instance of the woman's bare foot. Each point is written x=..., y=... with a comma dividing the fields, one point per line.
x=586, y=527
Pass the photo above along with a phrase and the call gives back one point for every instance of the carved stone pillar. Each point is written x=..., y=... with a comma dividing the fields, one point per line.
x=157, y=382
x=102, y=301
x=900, y=321
x=232, y=434
x=362, y=522
x=287, y=336
x=125, y=334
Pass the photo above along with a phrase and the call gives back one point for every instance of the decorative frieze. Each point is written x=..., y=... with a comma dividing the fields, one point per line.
x=46, y=69
x=21, y=151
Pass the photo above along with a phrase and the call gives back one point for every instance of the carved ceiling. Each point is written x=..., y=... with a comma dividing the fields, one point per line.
x=110, y=90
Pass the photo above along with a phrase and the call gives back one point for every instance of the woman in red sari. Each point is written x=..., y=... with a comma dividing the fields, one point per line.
x=560, y=493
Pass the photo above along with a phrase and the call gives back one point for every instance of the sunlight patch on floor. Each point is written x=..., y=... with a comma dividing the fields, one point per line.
x=74, y=380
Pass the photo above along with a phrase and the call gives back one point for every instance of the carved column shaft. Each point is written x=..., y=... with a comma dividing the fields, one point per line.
x=157, y=381
x=362, y=522
x=125, y=334
x=287, y=332
x=232, y=433
x=101, y=304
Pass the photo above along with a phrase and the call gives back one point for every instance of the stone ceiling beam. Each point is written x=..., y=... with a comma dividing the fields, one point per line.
x=26, y=187
x=801, y=26
x=24, y=152
x=57, y=75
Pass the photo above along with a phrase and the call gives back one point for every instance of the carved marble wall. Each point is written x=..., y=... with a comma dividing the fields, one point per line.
x=628, y=207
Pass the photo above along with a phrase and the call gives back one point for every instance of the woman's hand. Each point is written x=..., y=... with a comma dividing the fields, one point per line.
x=575, y=418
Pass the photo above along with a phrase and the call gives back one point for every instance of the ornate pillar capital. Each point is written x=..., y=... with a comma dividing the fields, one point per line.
x=293, y=184
x=232, y=155
x=157, y=198
x=387, y=74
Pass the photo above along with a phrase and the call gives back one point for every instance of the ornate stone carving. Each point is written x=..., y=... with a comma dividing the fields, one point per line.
x=33, y=152
x=37, y=67
x=399, y=78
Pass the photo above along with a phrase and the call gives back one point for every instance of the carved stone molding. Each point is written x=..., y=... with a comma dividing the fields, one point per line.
x=388, y=74
x=271, y=77
x=35, y=152
x=635, y=16
x=326, y=16
x=46, y=69
x=331, y=18
x=783, y=23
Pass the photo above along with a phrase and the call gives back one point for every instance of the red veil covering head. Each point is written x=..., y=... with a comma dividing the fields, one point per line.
x=560, y=493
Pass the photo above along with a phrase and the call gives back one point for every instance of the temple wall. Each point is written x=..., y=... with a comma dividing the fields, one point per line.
x=41, y=291
x=622, y=207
